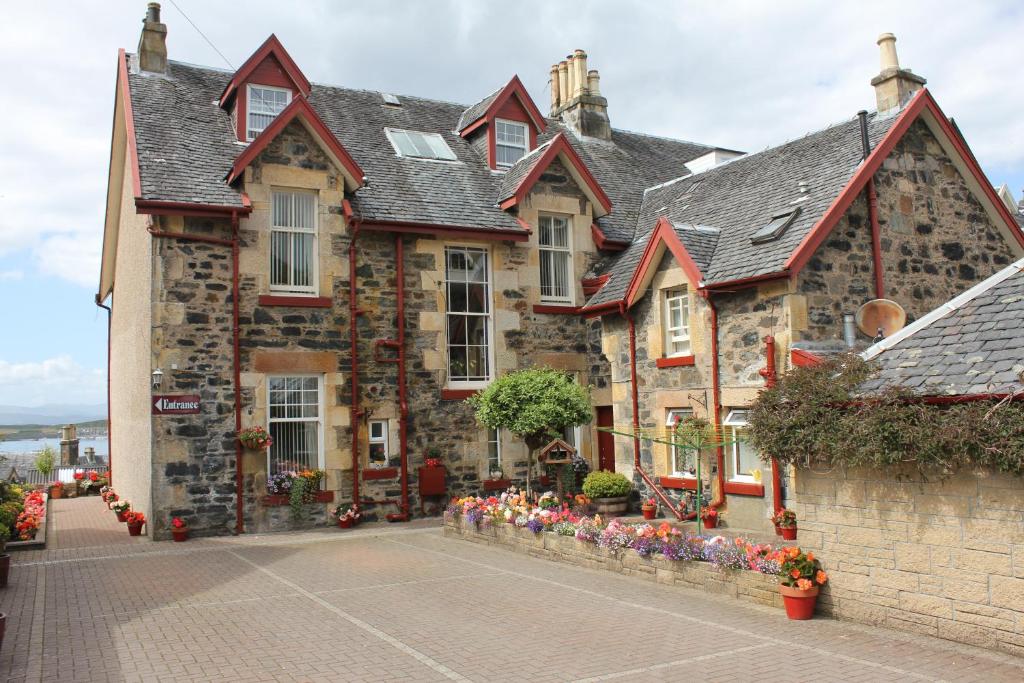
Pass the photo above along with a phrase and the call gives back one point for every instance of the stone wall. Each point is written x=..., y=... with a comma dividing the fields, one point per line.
x=939, y=557
x=749, y=586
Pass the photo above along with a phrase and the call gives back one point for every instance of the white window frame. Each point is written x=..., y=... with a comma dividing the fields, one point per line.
x=670, y=423
x=735, y=424
x=319, y=418
x=250, y=132
x=554, y=249
x=496, y=462
x=676, y=335
x=488, y=325
x=499, y=143
x=384, y=439
x=301, y=290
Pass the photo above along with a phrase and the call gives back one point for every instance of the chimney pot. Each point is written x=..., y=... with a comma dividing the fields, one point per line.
x=894, y=86
x=555, y=92
x=571, y=93
x=594, y=83
x=153, y=13
x=153, y=41
x=889, y=59
x=580, y=104
x=563, y=83
x=581, y=72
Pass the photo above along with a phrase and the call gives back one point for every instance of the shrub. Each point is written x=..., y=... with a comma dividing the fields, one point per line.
x=45, y=460
x=606, y=485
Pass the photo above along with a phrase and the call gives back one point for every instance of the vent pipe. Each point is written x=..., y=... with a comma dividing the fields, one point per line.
x=864, y=140
x=849, y=330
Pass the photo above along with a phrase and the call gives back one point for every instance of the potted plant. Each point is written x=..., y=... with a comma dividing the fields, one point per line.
x=256, y=438
x=347, y=519
x=57, y=490
x=433, y=457
x=112, y=498
x=649, y=508
x=709, y=516
x=179, y=530
x=134, y=520
x=121, y=509
x=800, y=577
x=609, y=491
x=71, y=489
x=785, y=524
x=5, y=559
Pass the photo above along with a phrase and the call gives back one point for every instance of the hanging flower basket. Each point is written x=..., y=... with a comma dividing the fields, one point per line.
x=255, y=438
x=788, y=533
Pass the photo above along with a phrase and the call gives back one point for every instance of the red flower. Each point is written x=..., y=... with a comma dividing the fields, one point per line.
x=178, y=523
x=79, y=476
x=93, y=476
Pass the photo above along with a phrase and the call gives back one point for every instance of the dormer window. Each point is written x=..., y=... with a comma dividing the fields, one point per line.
x=264, y=103
x=510, y=142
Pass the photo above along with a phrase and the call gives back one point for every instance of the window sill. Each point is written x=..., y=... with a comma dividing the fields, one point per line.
x=296, y=301
x=382, y=473
x=744, y=488
x=457, y=394
x=682, y=483
x=556, y=309
x=675, y=361
x=496, y=484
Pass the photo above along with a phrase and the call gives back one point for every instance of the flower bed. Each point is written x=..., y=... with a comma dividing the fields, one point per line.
x=732, y=566
x=23, y=514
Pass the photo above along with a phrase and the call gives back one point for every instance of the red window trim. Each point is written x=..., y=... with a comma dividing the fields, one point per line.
x=675, y=361
x=555, y=310
x=681, y=483
x=457, y=394
x=744, y=488
x=295, y=301
x=370, y=474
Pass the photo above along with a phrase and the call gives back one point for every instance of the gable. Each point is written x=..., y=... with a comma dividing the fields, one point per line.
x=521, y=177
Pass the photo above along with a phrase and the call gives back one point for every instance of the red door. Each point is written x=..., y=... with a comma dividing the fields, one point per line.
x=605, y=440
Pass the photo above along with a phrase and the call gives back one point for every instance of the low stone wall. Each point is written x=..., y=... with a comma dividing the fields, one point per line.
x=744, y=585
x=939, y=557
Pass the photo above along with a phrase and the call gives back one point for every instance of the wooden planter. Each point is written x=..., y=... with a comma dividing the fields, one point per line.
x=618, y=505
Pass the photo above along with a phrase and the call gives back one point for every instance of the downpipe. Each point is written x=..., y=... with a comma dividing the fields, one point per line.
x=771, y=376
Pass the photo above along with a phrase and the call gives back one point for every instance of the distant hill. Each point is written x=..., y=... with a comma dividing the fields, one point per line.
x=51, y=414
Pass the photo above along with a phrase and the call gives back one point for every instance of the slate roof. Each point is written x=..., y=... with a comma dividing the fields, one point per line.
x=475, y=111
x=742, y=195
x=973, y=344
x=519, y=170
x=187, y=145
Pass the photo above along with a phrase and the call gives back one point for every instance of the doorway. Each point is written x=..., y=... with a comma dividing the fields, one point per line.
x=605, y=440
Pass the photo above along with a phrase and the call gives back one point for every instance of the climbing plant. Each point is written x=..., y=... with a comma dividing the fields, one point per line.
x=817, y=415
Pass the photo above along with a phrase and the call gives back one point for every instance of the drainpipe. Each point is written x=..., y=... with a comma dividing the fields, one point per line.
x=716, y=393
x=403, y=420
x=636, y=420
x=353, y=312
x=872, y=198
x=110, y=438
x=770, y=379
x=236, y=362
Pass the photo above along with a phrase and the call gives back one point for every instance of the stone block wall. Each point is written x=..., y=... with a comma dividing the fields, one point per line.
x=940, y=557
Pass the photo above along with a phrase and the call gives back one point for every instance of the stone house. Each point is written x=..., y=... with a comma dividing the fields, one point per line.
x=344, y=267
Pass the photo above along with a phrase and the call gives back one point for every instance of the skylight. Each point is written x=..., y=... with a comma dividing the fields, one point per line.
x=778, y=224
x=390, y=99
x=411, y=143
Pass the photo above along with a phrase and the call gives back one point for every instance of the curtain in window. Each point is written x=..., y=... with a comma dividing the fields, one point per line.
x=294, y=409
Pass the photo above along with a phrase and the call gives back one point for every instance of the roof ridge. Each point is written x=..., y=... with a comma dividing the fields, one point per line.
x=945, y=309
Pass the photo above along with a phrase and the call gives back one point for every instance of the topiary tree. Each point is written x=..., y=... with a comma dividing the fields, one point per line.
x=536, y=405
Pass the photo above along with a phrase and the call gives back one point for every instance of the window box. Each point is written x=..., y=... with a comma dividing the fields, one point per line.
x=674, y=362
x=744, y=488
x=382, y=473
x=457, y=394
x=295, y=301
x=496, y=484
x=432, y=481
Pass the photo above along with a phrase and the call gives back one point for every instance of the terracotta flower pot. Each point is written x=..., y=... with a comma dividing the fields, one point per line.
x=649, y=511
x=5, y=569
x=710, y=522
x=788, y=533
x=345, y=523
x=799, y=604
x=135, y=529
x=57, y=492
x=120, y=515
x=180, y=535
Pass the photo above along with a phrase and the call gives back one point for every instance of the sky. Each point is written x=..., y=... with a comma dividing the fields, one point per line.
x=741, y=75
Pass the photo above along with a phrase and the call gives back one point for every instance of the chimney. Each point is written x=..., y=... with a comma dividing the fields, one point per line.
x=893, y=86
x=579, y=103
x=556, y=95
x=153, y=41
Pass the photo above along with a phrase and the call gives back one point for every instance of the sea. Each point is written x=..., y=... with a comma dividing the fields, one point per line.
x=21, y=453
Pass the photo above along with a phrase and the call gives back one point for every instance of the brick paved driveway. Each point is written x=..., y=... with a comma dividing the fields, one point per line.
x=407, y=604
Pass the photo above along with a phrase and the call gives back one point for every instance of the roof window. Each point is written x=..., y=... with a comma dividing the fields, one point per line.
x=390, y=99
x=411, y=143
x=778, y=225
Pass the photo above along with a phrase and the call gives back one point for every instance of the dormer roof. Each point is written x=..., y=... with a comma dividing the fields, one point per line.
x=487, y=109
x=270, y=49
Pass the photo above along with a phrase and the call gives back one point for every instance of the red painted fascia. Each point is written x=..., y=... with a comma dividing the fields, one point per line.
x=271, y=46
x=558, y=146
x=515, y=88
x=804, y=359
x=498, y=234
x=663, y=233
x=557, y=310
x=601, y=309
x=675, y=362
x=299, y=107
x=592, y=285
x=602, y=242
x=457, y=394
x=295, y=301
x=747, y=281
x=157, y=207
x=744, y=488
x=129, y=116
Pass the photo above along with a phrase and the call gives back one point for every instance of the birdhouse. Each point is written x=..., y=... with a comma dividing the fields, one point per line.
x=557, y=452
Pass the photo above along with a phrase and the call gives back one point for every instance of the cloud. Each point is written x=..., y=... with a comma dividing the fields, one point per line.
x=11, y=275
x=54, y=380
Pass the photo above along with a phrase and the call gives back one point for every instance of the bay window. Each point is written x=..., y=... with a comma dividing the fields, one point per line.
x=676, y=323
x=468, y=316
x=555, y=259
x=294, y=416
x=293, y=242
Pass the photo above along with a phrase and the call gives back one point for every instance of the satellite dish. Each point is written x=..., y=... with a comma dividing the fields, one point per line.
x=881, y=314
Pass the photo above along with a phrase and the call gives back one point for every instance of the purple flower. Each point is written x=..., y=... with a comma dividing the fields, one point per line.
x=473, y=515
x=535, y=525
x=645, y=547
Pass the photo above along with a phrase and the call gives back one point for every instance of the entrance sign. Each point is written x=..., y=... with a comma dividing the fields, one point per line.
x=176, y=405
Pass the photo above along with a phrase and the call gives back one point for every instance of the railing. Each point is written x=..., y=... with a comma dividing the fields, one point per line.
x=65, y=474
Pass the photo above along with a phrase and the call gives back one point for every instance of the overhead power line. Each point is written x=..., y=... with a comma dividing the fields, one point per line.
x=208, y=41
